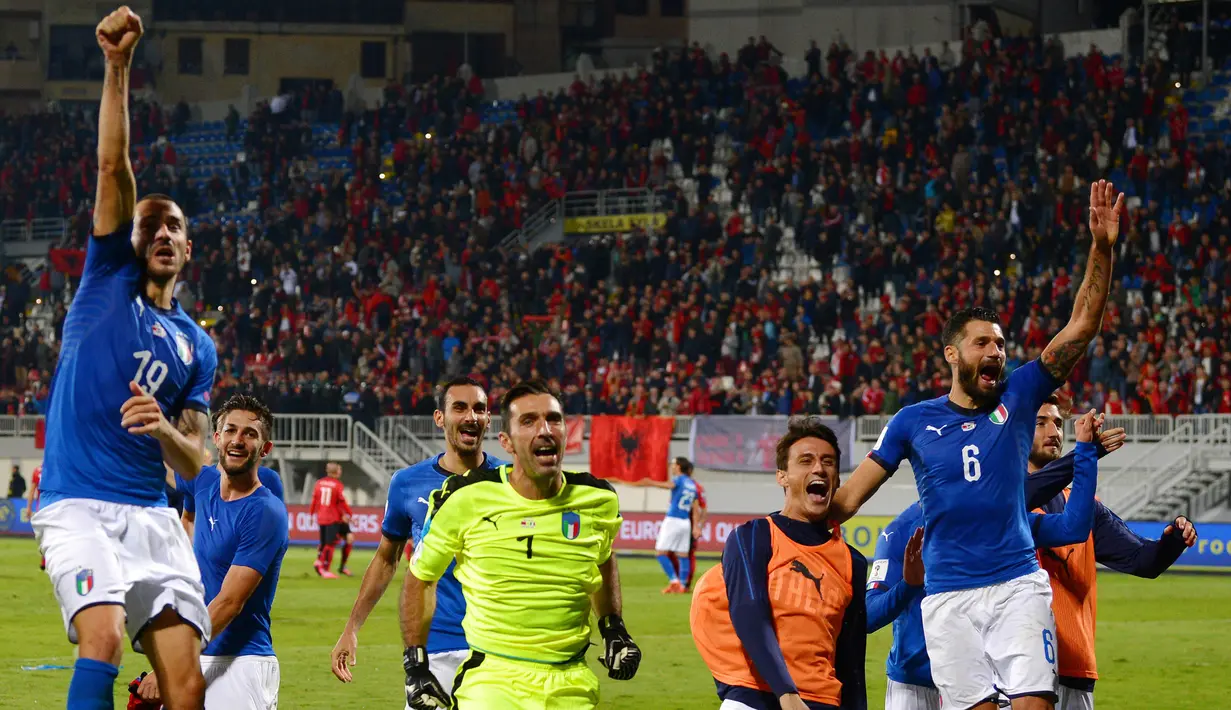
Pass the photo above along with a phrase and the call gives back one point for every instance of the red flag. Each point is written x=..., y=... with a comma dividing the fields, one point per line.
x=576, y=435
x=68, y=261
x=630, y=448
x=40, y=433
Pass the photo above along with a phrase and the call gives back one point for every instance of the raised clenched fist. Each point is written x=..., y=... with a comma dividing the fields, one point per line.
x=118, y=34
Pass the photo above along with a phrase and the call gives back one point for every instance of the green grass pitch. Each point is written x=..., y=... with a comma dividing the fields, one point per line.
x=1162, y=643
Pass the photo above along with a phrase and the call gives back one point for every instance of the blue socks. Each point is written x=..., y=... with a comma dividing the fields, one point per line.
x=668, y=568
x=684, y=568
x=92, y=685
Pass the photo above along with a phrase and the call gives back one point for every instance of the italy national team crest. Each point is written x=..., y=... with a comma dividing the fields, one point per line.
x=570, y=525
x=85, y=581
x=1000, y=416
x=184, y=347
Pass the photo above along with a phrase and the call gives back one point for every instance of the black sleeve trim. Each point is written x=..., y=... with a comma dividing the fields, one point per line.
x=890, y=470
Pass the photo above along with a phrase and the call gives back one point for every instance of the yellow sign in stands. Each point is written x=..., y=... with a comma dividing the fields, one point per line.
x=613, y=223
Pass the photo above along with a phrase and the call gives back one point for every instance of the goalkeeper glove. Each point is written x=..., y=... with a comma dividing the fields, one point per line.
x=423, y=691
x=620, y=655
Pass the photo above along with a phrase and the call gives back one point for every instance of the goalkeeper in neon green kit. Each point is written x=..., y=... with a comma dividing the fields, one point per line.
x=533, y=550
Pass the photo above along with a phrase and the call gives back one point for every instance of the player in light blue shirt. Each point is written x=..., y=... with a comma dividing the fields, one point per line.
x=987, y=615
x=239, y=547
x=675, y=532
x=894, y=597
x=130, y=394
x=462, y=413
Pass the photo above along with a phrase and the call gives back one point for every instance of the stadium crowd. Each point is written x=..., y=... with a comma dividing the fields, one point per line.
x=920, y=184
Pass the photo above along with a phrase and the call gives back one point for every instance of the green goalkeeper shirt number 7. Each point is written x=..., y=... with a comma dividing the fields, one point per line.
x=527, y=567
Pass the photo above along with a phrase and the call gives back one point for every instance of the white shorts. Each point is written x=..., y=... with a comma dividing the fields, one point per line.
x=444, y=667
x=1073, y=699
x=674, y=535
x=135, y=556
x=903, y=696
x=999, y=639
x=241, y=682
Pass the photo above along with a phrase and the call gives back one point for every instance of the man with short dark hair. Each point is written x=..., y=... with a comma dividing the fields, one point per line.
x=464, y=416
x=895, y=578
x=1074, y=581
x=533, y=550
x=239, y=547
x=781, y=622
x=987, y=614
x=130, y=396
x=268, y=477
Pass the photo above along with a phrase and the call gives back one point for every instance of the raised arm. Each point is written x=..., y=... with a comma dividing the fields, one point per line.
x=1049, y=481
x=1069, y=345
x=115, y=199
x=1074, y=524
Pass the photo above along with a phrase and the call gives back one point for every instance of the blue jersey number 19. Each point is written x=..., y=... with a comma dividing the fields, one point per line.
x=154, y=371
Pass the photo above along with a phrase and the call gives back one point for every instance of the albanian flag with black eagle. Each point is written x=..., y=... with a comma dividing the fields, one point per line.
x=630, y=448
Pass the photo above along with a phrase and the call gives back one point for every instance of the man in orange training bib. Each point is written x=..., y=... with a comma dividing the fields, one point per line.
x=781, y=623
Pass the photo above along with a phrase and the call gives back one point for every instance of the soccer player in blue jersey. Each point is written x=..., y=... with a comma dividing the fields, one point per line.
x=267, y=476
x=239, y=547
x=895, y=581
x=987, y=615
x=675, y=533
x=1074, y=580
x=463, y=414
x=130, y=393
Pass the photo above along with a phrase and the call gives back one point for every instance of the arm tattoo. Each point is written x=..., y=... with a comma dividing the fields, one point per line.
x=1094, y=298
x=194, y=423
x=1060, y=358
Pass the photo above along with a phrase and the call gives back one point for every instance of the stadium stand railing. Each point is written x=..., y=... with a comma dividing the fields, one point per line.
x=403, y=441
x=373, y=455
x=21, y=425
x=1188, y=487
x=548, y=224
x=26, y=230
x=543, y=227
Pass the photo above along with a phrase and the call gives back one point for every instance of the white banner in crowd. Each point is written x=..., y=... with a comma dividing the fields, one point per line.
x=747, y=443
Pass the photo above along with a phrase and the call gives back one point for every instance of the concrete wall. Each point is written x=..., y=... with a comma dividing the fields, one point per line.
x=725, y=25
x=461, y=16
x=271, y=58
